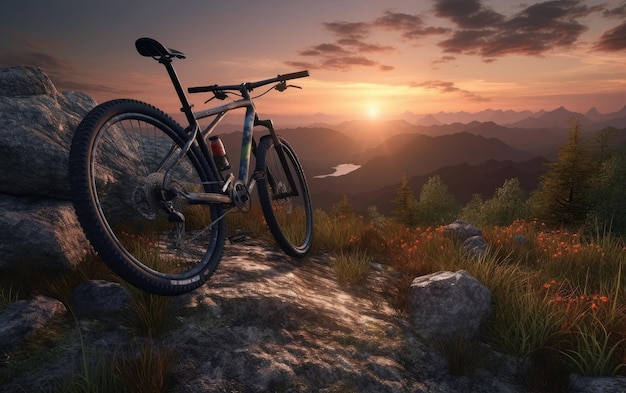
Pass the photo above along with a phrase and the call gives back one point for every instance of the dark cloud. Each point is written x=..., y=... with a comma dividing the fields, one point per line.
x=533, y=31
x=449, y=87
x=325, y=50
x=356, y=30
x=410, y=26
x=347, y=52
x=467, y=14
x=612, y=40
x=617, y=12
x=478, y=30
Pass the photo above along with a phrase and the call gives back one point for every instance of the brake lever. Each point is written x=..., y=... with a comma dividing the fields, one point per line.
x=282, y=86
x=219, y=94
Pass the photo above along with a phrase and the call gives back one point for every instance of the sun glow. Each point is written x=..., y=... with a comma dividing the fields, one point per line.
x=372, y=112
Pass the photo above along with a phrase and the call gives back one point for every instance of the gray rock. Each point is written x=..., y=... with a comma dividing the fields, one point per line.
x=25, y=81
x=99, y=297
x=475, y=245
x=446, y=304
x=39, y=234
x=35, y=134
x=22, y=318
x=580, y=384
x=460, y=231
x=38, y=227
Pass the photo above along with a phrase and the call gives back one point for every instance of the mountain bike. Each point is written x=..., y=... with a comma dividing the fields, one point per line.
x=152, y=196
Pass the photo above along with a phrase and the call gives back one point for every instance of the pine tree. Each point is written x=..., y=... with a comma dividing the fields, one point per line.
x=565, y=195
x=404, y=203
x=343, y=208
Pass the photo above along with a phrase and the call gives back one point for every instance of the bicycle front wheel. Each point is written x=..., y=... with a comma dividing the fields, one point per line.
x=129, y=180
x=284, y=196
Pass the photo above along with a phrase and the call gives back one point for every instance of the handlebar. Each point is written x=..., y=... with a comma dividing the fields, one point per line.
x=250, y=85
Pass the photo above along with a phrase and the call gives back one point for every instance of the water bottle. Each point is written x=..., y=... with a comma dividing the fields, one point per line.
x=219, y=153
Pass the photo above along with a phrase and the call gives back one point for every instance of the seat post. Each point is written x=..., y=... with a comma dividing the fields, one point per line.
x=186, y=108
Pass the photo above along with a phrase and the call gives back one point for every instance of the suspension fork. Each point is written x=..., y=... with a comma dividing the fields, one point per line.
x=281, y=156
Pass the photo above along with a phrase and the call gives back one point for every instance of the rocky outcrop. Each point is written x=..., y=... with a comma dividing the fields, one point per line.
x=38, y=228
x=264, y=323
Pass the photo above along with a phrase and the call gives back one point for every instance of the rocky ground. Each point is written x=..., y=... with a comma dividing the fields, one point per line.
x=267, y=323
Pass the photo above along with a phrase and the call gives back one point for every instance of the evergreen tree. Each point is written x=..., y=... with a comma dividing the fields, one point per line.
x=404, y=203
x=473, y=211
x=609, y=190
x=436, y=205
x=507, y=204
x=343, y=208
x=565, y=195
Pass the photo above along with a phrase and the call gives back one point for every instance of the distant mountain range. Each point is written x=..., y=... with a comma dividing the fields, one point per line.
x=558, y=117
x=472, y=157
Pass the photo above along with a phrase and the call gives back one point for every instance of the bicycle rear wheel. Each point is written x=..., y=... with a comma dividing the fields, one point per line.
x=284, y=196
x=128, y=180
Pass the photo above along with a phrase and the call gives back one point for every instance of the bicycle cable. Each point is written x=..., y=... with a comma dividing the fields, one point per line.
x=280, y=87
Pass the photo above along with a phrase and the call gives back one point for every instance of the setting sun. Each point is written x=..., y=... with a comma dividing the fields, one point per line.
x=372, y=112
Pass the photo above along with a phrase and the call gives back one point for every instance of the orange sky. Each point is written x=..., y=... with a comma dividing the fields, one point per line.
x=366, y=58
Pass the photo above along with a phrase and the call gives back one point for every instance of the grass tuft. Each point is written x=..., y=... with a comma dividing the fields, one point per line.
x=352, y=267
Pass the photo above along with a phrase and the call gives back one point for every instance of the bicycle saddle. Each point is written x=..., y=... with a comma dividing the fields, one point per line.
x=150, y=47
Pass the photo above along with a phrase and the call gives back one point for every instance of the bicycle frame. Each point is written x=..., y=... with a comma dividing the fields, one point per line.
x=247, y=144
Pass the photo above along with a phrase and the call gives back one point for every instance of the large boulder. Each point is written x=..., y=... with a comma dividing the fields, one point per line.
x=448, y=304
x=39, y=234
x=36, y=128
x=23, y=318
x=98, y=297
x=37, y=222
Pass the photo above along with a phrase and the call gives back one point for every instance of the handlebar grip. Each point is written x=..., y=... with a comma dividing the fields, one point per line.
x=293, y=75
x=201, y=89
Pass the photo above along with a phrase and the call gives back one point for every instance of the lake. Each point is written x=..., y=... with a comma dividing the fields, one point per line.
x=340, y=170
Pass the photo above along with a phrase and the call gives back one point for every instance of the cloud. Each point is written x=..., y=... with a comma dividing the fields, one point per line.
x=617, y=12
x=354, y=30
x=411, y=27
x=443, y=60
x=476, y=30
x=612, y=40
x=449, y=87
x=352, y=47
x=325, y=50
x=533, y=31
x=467, y=14
x=347, y=52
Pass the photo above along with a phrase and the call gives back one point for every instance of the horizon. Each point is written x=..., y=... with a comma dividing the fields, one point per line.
x=367, y=60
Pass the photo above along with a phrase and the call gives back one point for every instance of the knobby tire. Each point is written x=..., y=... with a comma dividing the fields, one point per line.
x=121, y=197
